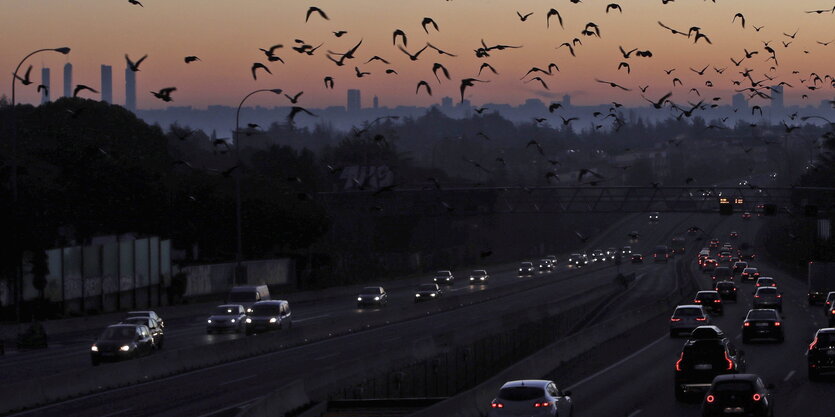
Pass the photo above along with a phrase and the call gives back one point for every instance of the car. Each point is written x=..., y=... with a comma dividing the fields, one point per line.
x=598, y=256
x=122, y=341
x=762, y=323
x=248, y=295
x=828, y=302
x=426, y=292
x=687, y=317
x=721, y=273
x=531, y=397
x=821, y=356
x=739, y=267
x=709, y=265
x=545, y=266
x=768, y=297
x=703, y=254
x=749, y=274
x=577, y=260
x=714, y=243
x=637, y=258
x=372, y=296
x=706, y=354
x=711, y=301
x=765, y=282
x=693, y=230
x=146, y=313
x=727, y=290
x=479, y=276
x=746, y=215
x=830, y=316
x=724, y=256
x=738, y=394
x=526, y=269
x=626, y=250
x=226, y=317
x=610, y=253
x=678, y=245
x=733, y=235
x=633, y=236
x=157, y=334
x=661, y=253
x=444, y=277
x=654, y=217
x=553, y=259
x=268, y=315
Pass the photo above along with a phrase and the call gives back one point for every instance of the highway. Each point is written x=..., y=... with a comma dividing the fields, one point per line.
x=639, y=382
x=206, y=391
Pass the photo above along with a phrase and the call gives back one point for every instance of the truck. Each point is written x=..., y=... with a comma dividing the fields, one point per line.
x=821, y=280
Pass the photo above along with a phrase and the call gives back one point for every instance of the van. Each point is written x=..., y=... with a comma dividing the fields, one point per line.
x=248, y=295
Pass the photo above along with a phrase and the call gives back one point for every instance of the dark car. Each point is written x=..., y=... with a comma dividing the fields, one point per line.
x=426, y=292
x=739, y=267
x=156, y=330
x=372, y=296
x=724, y=256
x=746, y=216
x=226, y=317
x=654, y=217
x=702, y=359
x=762, y=323
x=444, y=277
x=727, y=290
x=637, y=258
x=821, y=355
x=526, y=269
x=268, y=315
x=479, y=276
x=749, y=274
x=122, y=341
x=711, y=301
x=714, y=243
x=739, y=394
x=545, y=266
x=733, y=235
x=768, y=297
x=678, y=245
x=722, y=273
x=577, y=260
x=661, y=253
x=830, y=316
x=765, y=282
x=709, y=265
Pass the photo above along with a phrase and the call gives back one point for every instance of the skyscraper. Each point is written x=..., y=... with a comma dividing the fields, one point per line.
x=566, y=100
x=130, y=89
x=738, y=102
x=45, y=83
x=376, y=102
x=67, y=80
x=777, y=97
x=354, y=101
x=107, y=84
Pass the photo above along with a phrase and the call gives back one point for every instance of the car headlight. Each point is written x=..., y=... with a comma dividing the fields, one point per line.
x=210, y=321
x=417, y=295
x=520, y=269
x=272, y=320
x=249, y=310
x=248, y=320
x=94, y=348
x=233, y=320
x=482, y=278
x=124, y=348
x=432, y=295
x=359, y=298
x=376, y=298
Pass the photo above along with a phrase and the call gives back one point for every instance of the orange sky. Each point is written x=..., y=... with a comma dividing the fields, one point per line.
x=226, y=35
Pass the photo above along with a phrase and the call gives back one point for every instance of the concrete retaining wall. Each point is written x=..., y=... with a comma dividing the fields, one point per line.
x=219, y=278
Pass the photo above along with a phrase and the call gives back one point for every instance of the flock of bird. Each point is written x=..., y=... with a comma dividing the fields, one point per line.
x=749, y=82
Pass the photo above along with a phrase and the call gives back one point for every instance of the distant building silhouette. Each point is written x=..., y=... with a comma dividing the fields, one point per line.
x=354, y=101
x=566, y=100
x=777, y=97
x=130, y=90
x=67, y=80
x=446, y=103
x=738, y=102
x=45, y=83
x=107, y=84
x=376, y=102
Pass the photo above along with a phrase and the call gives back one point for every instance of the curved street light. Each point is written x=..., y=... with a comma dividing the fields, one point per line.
x=238, y=212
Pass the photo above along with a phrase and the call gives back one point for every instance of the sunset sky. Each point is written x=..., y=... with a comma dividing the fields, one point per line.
x=226, y=35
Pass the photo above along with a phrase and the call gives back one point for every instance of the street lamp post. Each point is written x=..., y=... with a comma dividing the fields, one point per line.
x=18, y=254
x=239, y=255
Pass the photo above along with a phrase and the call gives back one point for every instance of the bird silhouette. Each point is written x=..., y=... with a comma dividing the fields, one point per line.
x=553, y=12
x=135, y=3
x=191, y=58
x=416, y=55
x=294, y=99
x=314, y=9
x=402, y=35
x=81, y=87
x=164, y=94
x=660, y=102
x=487, y=66
x=741, y=18
x=613, y=6
x=524, y=17
x=296, y=110
x=612, y=84
x=554, y=106
x=359, y=73
x=429, y=21
x=26, y=77
x=339, y=33
x=329, y=82
x=438, y=66
x=256, y=66
x=544, y=85
x=134, y=66
x=425, y=85
x=468, y=82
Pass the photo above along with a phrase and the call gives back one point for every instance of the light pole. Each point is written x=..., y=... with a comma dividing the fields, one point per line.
x=239, y=254
x=18, y=254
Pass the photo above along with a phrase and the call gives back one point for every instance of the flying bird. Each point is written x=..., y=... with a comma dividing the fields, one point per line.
x=741, y=18
x=314, y=9
x=191, y=58
x=523, y=17
x=468, y=82
x=424, y=84
x=294, y=99
x=256, y=66
x=399, y=33
x=25, y=80
x=443, y=69
x=613, y=85
x=296, y=110
x=329, y=82
x=428, y=21
x=135, y=3
x=134, y=66
x=613, y=6
x=487, y=66
x=553, y=12
x=81, y=87
x=164, y=94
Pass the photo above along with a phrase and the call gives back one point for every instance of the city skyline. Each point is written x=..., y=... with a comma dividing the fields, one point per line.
x=227, y=56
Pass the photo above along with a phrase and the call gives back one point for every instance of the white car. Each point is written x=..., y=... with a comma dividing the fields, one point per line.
x=531, y=397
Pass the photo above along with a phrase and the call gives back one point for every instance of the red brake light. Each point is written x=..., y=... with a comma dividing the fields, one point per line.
x=746, y=324
x=730, y=362
x=833, y=311
x=496, y=405
x=674, y=319
x=777, y=324
x=757, y=397
x=813, y=344
x=701, y=318
x=717, y=301
x=779, y=295
x=678, y=362
x=710, y=399
x=697, y=301
x=545, y=404
x=756, y=296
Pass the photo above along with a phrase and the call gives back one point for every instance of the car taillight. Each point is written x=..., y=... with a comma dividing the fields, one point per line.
x=813, y=344
x=756, y=296
x=730, y=362
x=674, y=319
x=496, y=405
x=545, y=404
x=710, y=399
x=746, y=324
x=756, y=397
x=833, y=311
x=777, y=324
x=697, y=301
x=717, y=301
x=779, y=295
x=701, y=318
x=758, y=285
x=678, y=362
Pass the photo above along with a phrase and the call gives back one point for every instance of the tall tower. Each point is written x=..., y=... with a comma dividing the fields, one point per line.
x=566, y=100
x=354, y=101
x=130, y=89
x=376, y=102
x=777, y=97
x=67, y=80
x=45, y=83
x=107, y=84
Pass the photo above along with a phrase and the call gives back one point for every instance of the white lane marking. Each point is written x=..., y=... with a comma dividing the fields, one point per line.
x=332, y=355
x=232, y=381
x=789, y=376
x=238, y=405
x=739, y=336
x=618, y=363
x=117, y=413
x=635, y=413
x=311, y=318
x=457, y=289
